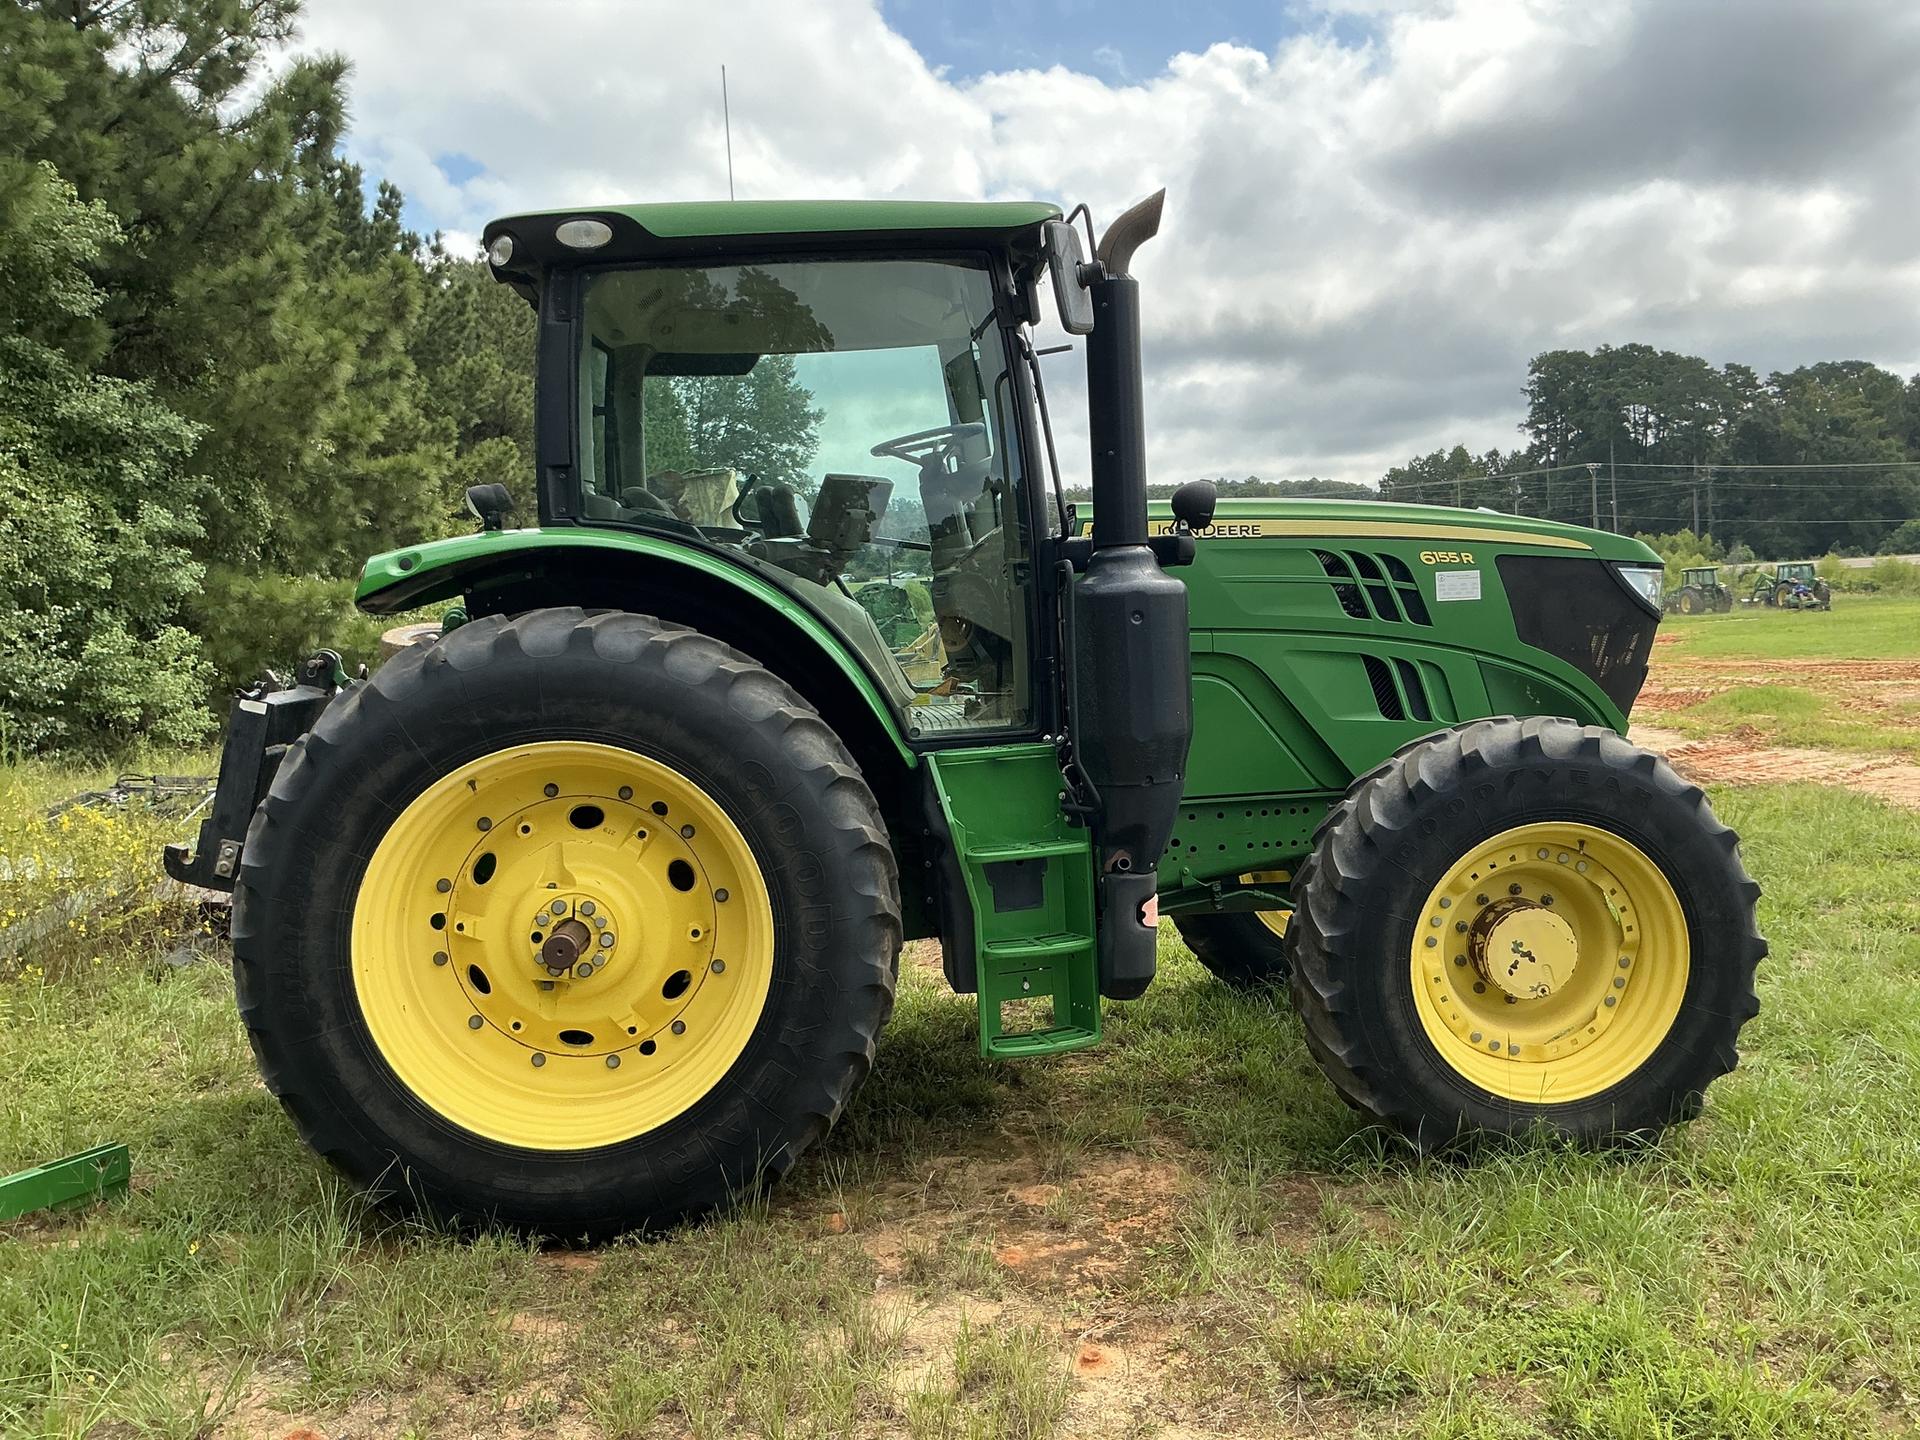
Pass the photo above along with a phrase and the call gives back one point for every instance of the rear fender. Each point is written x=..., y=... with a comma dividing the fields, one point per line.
x=503, y=571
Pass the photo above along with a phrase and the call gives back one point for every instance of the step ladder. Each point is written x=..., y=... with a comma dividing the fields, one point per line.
x=1029, y=879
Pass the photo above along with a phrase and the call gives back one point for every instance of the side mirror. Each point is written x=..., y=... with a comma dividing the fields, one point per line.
x=489, y=504
x=1071, y=299
x=1193, y=504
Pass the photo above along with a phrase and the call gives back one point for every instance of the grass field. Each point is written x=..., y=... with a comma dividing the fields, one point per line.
x=1858, y=627
x=1182, y=1233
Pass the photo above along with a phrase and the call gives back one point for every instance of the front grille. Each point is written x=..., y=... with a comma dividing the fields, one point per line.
x=1579, y=611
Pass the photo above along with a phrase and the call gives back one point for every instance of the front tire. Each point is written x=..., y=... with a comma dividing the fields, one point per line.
x=1521, y=924
x=572, y=923
x=1246, y=950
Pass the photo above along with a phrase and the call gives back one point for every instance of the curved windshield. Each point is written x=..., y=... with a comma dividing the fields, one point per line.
x=843, y=422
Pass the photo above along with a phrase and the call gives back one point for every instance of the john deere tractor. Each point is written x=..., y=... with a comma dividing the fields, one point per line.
x=586, y=916
x=1793, y=586
x=1700, y=591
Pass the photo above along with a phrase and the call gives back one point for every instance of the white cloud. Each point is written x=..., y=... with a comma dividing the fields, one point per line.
x=1365, y=241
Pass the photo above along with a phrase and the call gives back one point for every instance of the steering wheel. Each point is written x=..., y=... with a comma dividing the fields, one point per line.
x=924, y=445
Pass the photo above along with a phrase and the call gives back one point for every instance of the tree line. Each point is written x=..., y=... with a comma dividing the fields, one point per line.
x=1822, y=458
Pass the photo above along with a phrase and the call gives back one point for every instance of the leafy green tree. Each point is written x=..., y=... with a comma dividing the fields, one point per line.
x=252, y=286
x=762, y=423
x=96, y=513
x=473, y=348
x=1449, y=477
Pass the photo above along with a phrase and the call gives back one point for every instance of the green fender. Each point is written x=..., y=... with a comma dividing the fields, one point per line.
x=441, y=570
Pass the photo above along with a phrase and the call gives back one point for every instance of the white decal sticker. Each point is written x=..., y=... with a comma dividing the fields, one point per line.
x=1456, y=584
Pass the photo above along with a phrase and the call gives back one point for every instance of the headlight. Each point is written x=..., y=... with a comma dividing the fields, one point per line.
x=1646, y=581
x=500, y=251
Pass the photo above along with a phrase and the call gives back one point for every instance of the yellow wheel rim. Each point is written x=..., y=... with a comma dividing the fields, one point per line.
x=562, y=945
x=1274, y=920
x=1550, y=962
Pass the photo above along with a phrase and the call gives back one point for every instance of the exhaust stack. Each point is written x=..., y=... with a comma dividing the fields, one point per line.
x=1132, y=674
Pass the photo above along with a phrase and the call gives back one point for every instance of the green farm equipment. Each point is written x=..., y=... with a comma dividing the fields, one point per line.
x=587, y=915
x=1793, y=586
x=1700, y=591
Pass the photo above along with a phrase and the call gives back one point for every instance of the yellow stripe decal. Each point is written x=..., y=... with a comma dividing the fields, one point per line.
x=1376, y=529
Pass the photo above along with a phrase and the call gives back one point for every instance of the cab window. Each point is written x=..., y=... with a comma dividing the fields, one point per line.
x=844, y=423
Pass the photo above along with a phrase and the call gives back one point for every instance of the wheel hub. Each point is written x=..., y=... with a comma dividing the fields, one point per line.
x=569, y=940
x=563, y=925
x=1523, y=948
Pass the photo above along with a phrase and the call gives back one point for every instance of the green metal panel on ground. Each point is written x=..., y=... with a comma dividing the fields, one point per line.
x=91, y=1175
x=1029, y=879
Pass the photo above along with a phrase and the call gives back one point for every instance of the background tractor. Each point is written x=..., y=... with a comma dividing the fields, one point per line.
x=1793, y=586
x=587, y=915
x=1700, y=590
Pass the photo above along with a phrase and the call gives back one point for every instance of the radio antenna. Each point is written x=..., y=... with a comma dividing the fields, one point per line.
x=726, y=118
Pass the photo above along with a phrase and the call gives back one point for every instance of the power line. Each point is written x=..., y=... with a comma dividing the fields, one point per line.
x=1744, y=465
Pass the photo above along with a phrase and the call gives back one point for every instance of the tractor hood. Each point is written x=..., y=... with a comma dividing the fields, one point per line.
x=1447, y=527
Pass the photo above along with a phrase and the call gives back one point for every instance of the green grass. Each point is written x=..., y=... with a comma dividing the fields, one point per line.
x=1190, y=1196
x=1859, y=627
x=1790, y=715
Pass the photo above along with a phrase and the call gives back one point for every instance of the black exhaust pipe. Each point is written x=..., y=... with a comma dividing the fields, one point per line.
x=1132, y=672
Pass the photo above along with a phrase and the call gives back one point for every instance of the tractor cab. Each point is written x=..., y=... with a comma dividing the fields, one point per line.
x=1700, y=589
x=845, y=426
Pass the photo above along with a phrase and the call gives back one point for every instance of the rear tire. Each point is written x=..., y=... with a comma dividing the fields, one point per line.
x=1431, y=886
x=341, y=995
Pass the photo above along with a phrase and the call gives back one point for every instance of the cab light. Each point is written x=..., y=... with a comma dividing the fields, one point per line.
x=583, y=234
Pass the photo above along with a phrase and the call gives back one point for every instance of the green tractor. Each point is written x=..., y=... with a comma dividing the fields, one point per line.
x=1700, y=591
x=587, y=915
x=1793, y=586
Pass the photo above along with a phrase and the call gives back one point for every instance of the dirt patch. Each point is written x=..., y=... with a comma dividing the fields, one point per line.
x=1659, y=699
x=1879, y=691
x=1739, y=758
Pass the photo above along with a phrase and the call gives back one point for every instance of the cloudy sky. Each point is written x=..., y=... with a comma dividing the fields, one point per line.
x=1377, y=211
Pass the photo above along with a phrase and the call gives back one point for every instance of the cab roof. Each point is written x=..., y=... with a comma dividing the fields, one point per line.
x=713, y=228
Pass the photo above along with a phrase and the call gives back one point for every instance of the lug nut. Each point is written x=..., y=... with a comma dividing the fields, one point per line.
x=587, y=907
x=583, y=970
x=606, y=939
x=538, y=1059
x=474, y=1022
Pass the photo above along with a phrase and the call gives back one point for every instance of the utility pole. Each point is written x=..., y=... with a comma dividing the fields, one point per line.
x=1613, y=483
x=1593, y=490
x=1709, y=499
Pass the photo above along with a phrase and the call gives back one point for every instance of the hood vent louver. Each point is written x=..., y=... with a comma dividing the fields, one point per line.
x=1374, y=587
